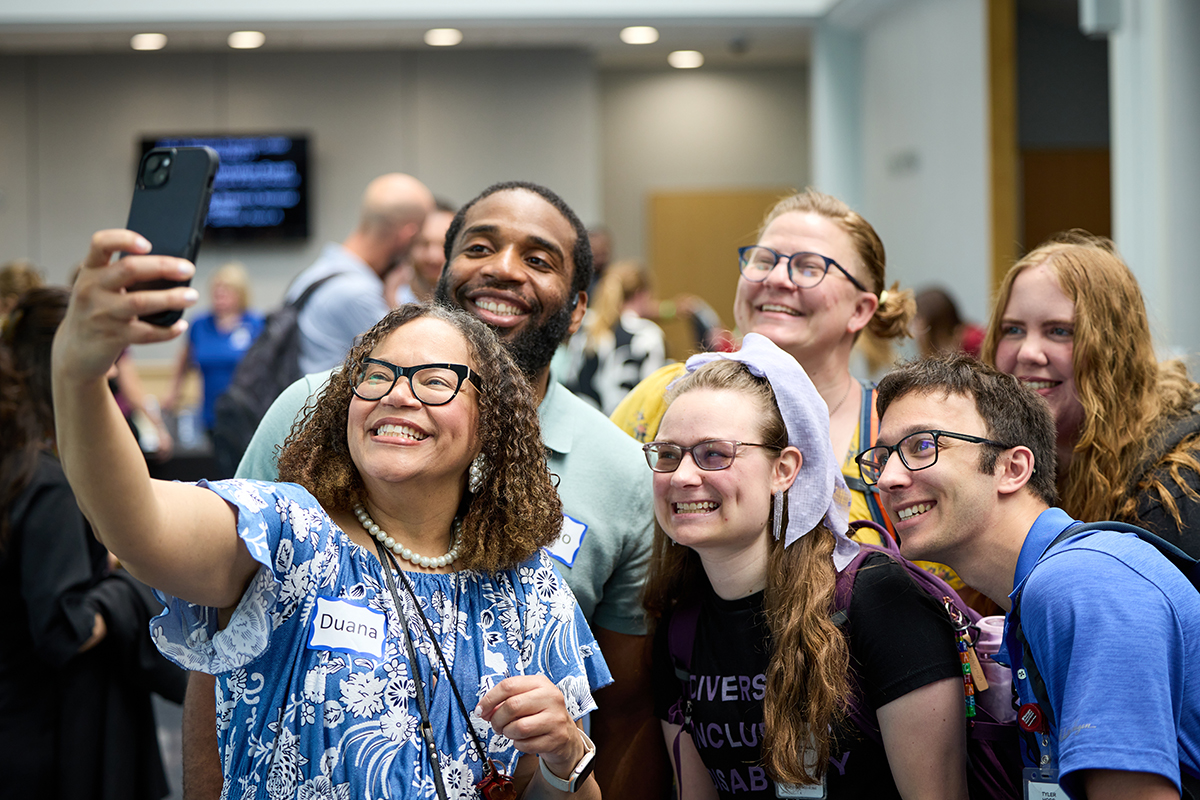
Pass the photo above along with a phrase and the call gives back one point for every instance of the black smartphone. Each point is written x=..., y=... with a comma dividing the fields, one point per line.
x=170, y=205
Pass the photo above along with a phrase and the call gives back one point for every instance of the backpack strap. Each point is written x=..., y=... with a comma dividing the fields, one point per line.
x=681, y=640
x=1185, y=563
x=868, y=432
x=1166, y=439
x=857, y=711
x=959, y=613
x=311, y=289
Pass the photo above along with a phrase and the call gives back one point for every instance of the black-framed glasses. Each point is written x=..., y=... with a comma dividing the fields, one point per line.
x=917, y=451
x=709, y=455
x=805, y=270
x=432, y=384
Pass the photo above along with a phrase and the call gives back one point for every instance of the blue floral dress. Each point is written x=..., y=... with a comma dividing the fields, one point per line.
x=315, y=691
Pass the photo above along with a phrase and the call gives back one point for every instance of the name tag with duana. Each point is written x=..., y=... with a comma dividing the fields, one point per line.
x=345, y=626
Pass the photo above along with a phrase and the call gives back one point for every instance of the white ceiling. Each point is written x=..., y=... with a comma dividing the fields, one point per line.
x=727, y=32
x=723, y=42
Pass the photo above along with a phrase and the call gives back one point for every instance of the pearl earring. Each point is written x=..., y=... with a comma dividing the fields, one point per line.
x=476, y=474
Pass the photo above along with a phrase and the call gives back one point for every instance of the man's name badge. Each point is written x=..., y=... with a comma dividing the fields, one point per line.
x=345, y=626
x=566, y=546
x=1042, y=784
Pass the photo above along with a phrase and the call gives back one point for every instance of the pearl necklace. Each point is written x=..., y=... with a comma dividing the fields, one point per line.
x=379, y=533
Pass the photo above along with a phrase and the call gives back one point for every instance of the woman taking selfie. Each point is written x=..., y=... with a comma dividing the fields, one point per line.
x=368, y=625
x=752, y=519
x=1071, y=323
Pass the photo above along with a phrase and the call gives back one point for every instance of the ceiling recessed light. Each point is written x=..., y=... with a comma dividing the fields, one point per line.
x=246, y=40
x=443, y=37
x=639, y=34
x=686, y=59
x=148, y=41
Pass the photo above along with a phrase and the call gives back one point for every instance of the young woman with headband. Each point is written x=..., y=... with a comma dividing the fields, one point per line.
x=752, y=522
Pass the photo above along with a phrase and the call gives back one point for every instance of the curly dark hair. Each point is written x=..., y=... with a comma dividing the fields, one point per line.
x=515, y=511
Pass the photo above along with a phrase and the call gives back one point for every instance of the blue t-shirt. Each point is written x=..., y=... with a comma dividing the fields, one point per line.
x=315, y=691
x=1114, y=629
x=217, y=353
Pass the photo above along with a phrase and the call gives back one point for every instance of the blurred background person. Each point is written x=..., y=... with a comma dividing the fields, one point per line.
x=141, y=409
x=939, y=329
x=78, y=665
x=415, y=278
x=217, y=340
x=351, y=297
x=600, y=238
x=617, y=347
x=1070, y=323
x=16, y=278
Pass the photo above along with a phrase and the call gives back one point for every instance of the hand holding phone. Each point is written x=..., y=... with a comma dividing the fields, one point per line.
x=169, y=207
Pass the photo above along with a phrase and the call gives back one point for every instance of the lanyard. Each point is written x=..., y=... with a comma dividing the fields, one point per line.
x=494, y=785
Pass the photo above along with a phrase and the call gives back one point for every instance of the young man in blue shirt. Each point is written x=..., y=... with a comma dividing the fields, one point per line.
x=965, y=461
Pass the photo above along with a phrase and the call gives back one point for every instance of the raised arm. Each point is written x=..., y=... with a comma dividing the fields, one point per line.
x=176, y=537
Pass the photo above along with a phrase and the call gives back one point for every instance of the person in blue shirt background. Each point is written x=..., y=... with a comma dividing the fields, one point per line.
x=218, y=340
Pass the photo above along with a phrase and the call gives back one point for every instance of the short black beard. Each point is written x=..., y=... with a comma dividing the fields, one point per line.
x=534, y=346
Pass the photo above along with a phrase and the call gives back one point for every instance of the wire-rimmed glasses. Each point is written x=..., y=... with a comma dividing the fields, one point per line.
x=805, y=270
x=710, y=455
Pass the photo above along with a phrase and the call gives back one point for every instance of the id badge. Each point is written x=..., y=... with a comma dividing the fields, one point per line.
x=1042, y=784
x=815, y=791
x=812, y=792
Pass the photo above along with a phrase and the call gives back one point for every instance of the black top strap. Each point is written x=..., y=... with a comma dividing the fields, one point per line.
x=312, y=288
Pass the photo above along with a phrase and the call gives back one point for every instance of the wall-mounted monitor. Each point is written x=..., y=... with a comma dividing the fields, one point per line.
x=261, y=192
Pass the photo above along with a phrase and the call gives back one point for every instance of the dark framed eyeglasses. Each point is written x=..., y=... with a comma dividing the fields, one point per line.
x=710, y=455
x=917, y=451
x=432, y=384
x=805, y=270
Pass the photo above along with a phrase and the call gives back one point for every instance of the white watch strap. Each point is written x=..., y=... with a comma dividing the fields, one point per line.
x=568, y=785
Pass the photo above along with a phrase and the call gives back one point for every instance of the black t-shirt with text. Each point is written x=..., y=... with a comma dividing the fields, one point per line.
x=900, y=640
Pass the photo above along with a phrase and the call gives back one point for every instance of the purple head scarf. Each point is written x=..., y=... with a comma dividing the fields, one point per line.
x=819, y=491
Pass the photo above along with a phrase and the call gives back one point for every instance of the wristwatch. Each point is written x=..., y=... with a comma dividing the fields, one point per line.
x=579, y=774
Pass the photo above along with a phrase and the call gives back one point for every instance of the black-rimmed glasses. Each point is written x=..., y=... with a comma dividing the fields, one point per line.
x=432, y=384
x=805, y=270
x=917, y=451
x=710, y=455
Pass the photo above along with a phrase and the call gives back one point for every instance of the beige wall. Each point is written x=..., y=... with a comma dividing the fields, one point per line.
x=69, y=126
x=696, y=130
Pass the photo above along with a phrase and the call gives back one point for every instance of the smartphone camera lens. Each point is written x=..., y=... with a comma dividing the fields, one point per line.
x=156, y=170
